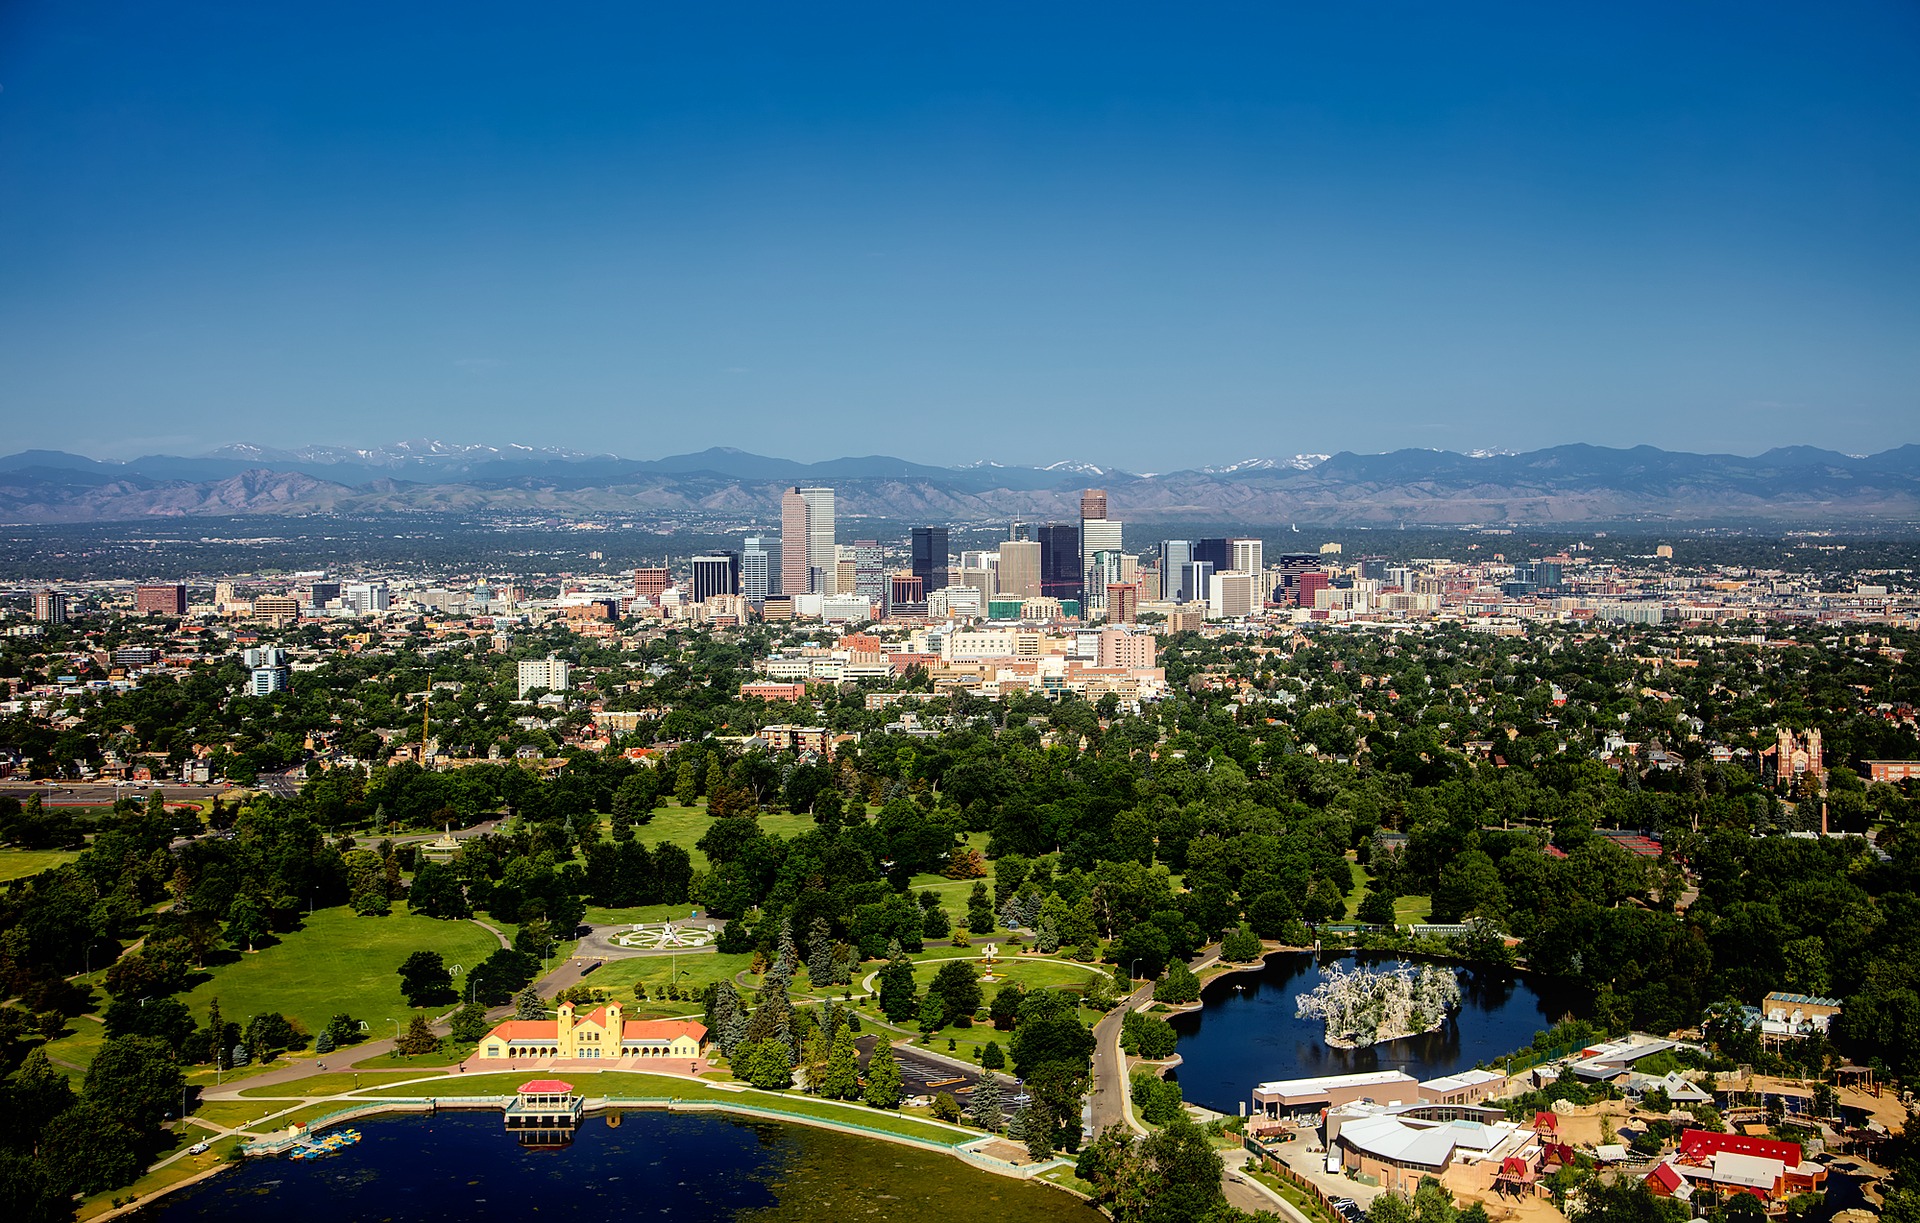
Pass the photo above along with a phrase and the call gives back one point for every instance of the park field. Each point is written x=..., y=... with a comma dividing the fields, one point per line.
x=1407, y=910
x=697, y=970
x=338, y=962
x=632, y=1085
x=20, y=863
x=684, y=826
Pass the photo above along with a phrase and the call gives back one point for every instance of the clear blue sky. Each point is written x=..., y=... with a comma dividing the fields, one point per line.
x=1152, y=236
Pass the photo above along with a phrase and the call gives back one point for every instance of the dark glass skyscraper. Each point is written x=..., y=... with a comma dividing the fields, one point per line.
x=716, y=573
x=1216, y=552
x=1060, y=572
x=930, y=558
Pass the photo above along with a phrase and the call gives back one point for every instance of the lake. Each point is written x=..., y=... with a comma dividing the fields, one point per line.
x=462, y=1167
x=1246, y=1033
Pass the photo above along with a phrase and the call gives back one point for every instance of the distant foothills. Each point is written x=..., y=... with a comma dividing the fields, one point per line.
x=1562, y=485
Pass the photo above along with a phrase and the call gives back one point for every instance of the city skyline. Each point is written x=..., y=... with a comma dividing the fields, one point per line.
x=642, y=233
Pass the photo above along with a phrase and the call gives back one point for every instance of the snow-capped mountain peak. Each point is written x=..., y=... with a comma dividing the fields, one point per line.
x=1298, y=462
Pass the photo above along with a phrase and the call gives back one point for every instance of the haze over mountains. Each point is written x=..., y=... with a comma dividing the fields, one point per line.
x=1563, y=484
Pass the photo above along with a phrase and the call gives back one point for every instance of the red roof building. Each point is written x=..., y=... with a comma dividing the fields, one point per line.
x=1698, y=1146
x=600, y=1035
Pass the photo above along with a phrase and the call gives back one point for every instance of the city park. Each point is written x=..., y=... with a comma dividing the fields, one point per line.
x=657, y=959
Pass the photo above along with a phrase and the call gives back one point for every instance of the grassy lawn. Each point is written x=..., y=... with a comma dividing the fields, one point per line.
x=599, y=917
x=631, y=1084
x=83, y=1040
x=684, y=826
x=236, y=1114
x=1408, y=910
x=338, y=962
x=1034, y=974
x=953, y=893
x=697, y=971
x=20, y=863
x=1362, y=884
x=330, y=1084
x=450, y=1053
x=1065, y=1178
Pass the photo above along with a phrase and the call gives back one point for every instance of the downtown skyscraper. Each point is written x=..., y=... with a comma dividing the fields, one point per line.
x=808, y=562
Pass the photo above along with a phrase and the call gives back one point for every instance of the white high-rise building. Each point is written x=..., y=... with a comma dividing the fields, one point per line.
x=552, y=673
x=1248, y=556
x=1097, y=535
x=366, y=597
x=1233, y=595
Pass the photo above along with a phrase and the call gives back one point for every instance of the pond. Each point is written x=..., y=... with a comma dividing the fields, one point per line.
x=1246, y=1032
x=462, y=1166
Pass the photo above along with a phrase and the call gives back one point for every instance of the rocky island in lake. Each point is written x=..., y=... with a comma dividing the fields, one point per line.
x=1363, y=1006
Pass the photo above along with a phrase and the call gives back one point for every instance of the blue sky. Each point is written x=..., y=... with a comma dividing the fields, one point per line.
x=1145, y=235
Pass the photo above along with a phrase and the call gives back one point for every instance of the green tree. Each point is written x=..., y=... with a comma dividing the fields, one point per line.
x=470, y=1023
x=1630, y=1202
x=957, y=986
x=1391, y=1207
x=90, y=1148
x=883, y=1077
x=898, y=999
x=932, y=1015
x=135, y=1078
x=983, y=1109
x=425, y=980
x=686, y=784
x=992, y=1057
x=1376, y=908
x=980, y=919
x=1241, y=946
x=1181, y=1174
x=946, y=1108
x=764, y=1063
x=29, y=1192
x=842, y=1078
x=1156, y=1099
x=418, y=1039
x=37, y=1094
x=1179, y=986
x=343, y=1029
x=1432, y=1203
x=528, y=1004
x=246, y=923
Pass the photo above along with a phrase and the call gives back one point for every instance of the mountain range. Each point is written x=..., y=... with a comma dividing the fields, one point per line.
x=1573, y=484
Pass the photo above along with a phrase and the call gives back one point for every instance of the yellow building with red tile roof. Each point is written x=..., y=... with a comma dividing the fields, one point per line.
x=601, y=1034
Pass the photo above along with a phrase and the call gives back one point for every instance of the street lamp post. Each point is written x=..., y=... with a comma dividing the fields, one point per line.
x=1132, y=974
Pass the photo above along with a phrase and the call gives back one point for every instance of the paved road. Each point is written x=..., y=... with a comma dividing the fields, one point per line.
x=281, y=785
x=1110, y=1088
x=102, y=794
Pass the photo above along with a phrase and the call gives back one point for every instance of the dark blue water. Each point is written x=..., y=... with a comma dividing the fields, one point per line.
x=462, y=1167
x=1246, y=1033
